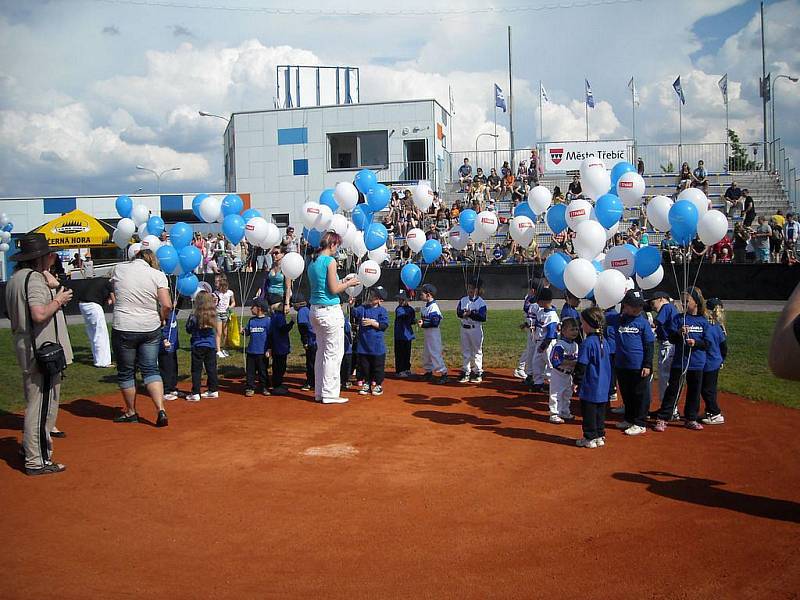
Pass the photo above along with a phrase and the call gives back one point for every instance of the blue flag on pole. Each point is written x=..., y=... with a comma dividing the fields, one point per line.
x=589, y=97
x=499, y=98
x=678, y=89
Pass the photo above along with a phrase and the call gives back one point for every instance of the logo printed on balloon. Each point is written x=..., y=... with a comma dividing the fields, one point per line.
x=312, y=210
x=619, y=263
x=487, y=220
x=625, y=184
x=455, y=234
x=577, y=213
x=369, y=270
x=249, y=227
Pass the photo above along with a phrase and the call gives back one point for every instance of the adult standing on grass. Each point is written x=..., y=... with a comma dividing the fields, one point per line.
x=91, y=298
x=327, y=319
x=36, y=318
x=141, y=305
x=277, y=288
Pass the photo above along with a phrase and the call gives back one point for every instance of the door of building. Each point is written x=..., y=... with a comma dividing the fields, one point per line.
x=416, y=163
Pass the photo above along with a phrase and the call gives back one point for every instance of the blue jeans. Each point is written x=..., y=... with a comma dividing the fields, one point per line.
x=136, y=350
x=762, y=255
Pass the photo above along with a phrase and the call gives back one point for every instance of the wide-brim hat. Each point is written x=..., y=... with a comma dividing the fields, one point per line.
x=32, y=245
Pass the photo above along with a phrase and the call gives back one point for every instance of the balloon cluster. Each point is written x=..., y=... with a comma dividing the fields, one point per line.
x=6, y=227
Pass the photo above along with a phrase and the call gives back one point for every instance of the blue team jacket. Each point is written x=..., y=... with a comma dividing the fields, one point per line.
x=596, y=365
x=716, y=347
x=404, y=317
x=634, y=343
x=307, y=335
x=169, y=332
x=689, y=358
x=348, y=337
x=568, y=312
x=258, y=331
x=201, y=338
x=279, y=334
x=370, y=340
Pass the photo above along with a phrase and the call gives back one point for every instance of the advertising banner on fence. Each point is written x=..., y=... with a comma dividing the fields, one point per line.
x=567, y=156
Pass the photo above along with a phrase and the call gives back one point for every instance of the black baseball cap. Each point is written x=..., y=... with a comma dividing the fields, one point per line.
x=429, y=288
x=713, y=303
x=633, y=298
x=657, y=295
x=262, y=303
x=402, y=295
x=380, y=292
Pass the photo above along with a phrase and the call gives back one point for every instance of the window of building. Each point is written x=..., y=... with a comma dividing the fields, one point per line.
x=444, y=117
x=281, y=219
x=359, y=150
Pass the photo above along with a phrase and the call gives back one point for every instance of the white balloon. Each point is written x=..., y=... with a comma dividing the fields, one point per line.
x=126, y=228
x=578, y=210
x=140, y=214
x=355, y=290
x=657, y=211
x=612, y=231
x=349, y=236
x=596, y=182
x=652, y=280
x=609, y=289
x=522, y=230
x=458, y=238
x=369, y=273
x=346, y=195
x=5, y=235
x=4, y=247
x=141, y=231
x=620, y=258
x=4, y=219
x=151, y=242
x=309, y=214
x=255, y=229
x=133, y=250
x=338, y=224
x=272, y=236
x=120, y=240
x=210, y=209
x=591, y=162
x=712, y=227
x=539, y=199
x=630, y=189
x=292, y=265
x=415, y=238
x=422, y=195
x=580, y=277
x=358, y=246
x=379, y=255
x=590, y=239
x=696, y=197
x=486, y=223
x=629, y=284
x=478, y=236
x=324, y=219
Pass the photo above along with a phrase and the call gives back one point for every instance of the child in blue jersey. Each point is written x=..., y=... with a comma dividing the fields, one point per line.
x=257, y=351
x=346, y=369
x=545, y=335
x=168, y=356
x=373, y=321
x=563, y=357
x=202, y=326
x=591, y=378
x=633, y=362
x=404, y=317
x=432, y=359
x=472, y=311
x=279, y=346
x=570, y=308
x=665, y=312
x=529, y=308
x=688, y=332
x=610, y=336
x=716, y=352
x=307, y=337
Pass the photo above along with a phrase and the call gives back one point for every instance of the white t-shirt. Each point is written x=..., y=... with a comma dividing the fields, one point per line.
x=223, y=300
x=136, y=286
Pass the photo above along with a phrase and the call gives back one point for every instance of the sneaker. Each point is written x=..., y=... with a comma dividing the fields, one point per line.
x=635, y=430
x=377, y=390
x=193, y=397
x=519, y=373
x=209, y=394
x=613, y=397
x=556, y=419
x=265, y=392
x=694, y=425
x=306, y=387
x=220, y=354
x=170, y=396
x=339, y=400
x=618, y=410
x=713, y=419
x=567, y=417
x=249, y=393
x=528, y=379
x=408, y=373
x=440, y=380
x=464, y=378
x=476, y=378
x=402, y=374
x=660, y=425
x=584, y=443
x=600, y=442
x=364, y=389
x=624, y=425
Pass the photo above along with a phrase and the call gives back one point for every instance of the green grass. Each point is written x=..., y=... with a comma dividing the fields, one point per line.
x=745, y=371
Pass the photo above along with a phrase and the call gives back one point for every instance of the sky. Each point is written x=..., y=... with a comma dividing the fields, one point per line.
x=91, y=88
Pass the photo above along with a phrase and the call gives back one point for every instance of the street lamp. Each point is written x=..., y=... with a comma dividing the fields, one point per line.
x=158, y=175
x=203, y=113
x=494, y=135
x=772, y=101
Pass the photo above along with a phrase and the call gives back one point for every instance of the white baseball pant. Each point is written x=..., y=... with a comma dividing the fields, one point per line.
x=97, y=332
x=472, y=350
x=560, y=393
x=328, y=324
x=432, y=360
x=527, y=356
x=541, y=363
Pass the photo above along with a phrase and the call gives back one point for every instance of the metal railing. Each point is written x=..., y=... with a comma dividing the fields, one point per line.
x=409, y=172
x=786, y=172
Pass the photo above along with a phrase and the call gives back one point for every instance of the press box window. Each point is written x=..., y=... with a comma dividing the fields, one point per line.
x=359, y=150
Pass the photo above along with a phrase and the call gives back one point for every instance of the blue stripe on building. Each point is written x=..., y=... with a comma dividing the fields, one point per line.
x=294, y=135
x=300, y=166
x=59, y=206
x=171, y=203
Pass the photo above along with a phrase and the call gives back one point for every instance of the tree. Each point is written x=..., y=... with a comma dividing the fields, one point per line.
x=739, y=159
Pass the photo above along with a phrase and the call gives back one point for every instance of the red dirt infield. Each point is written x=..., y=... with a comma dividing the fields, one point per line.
x=456, y=491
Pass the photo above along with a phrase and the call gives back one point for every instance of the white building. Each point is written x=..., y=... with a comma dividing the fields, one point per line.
x=285, y=157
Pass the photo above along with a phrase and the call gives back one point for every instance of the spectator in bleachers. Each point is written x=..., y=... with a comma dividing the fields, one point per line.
x=699, y=249
x=732, y=198
x=522, y=170
x=465, y=174
x=404, y=255
x=558, y=196
x=684, y=177
x=574, y=190
x=519, y=192
x=776, y=241
x=640, y=166
x=442, y=223
x=535, y=168
x=791, y=232
x=505, y=169
x=779, y=218
x=721, y=249
x=432, y=233
x=748, y=208
x=508, y=184
x=760, y=240
x=740, y=239
x=700, y=177
x=668, y=248
x=498, y=254
x=479, y=184
x=436, y=204
x=394, y=203
x=495, y=184
x=455, y=210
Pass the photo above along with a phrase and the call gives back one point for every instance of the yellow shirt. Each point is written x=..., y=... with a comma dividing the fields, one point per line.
x=780, y=220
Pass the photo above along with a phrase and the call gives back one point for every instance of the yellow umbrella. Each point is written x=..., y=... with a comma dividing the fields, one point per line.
x=76, y=229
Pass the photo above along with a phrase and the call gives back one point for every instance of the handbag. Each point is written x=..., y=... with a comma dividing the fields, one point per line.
x=50, y=356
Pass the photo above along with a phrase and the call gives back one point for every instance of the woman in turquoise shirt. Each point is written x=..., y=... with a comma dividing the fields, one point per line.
x=276, y=287
x=327, y=319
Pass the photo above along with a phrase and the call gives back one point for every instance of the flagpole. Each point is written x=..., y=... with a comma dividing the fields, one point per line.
x=586, y=106
x=680, y=130
x=633, y=109
x=495, y=133
x=726, y=133
x=541, y=120
x=510, y=102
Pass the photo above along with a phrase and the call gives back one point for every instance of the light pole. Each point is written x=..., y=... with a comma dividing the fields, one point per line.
x=480, y=135
x=772, y=102
x=158, y=175
x=203, y=113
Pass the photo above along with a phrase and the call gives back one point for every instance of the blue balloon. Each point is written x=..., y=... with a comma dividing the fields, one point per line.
x=618, y=170
x=327, y=198
x=250, y=213
x=9, y=227
x=232, y=204
x=432, y=250
x=167, y=258
x=608, y=210
x=312, y=236
x=467, y=220
x=233, y=228
x=523, y=209
x=378, y=197
x=180, y=235
x=361, y=216
x=683, y=221
x=190, y=257
x=124, y=205
x=364, y=180
x=375, y=236
x=411, y=276
x=554, y=269
x=196, y=201
x=556, y=218
x=598, y=266
x=187, y=284
x=155, y=226
x=632, y=248
x=647, y=261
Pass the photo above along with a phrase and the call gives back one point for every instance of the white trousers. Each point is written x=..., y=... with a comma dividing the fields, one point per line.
x=472, y=350
x=526, y=360
x=560, y=393
x=97, y=332
x=432, y=359
x=328, y=324
x=541, y=363
x=666, y=352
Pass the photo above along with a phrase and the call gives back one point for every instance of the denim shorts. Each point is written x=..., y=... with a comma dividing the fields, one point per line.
x=223, y=317
x=136, y=350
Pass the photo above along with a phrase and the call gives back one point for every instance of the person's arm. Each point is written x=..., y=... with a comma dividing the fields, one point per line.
x=478, y=315
x=382, y=321
x=336, y=286
x=459, y=311
x=784, y=351
x=41, y=313
x=232, y=302
x=165, y=303
x=51, y=280
x=647, y=361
